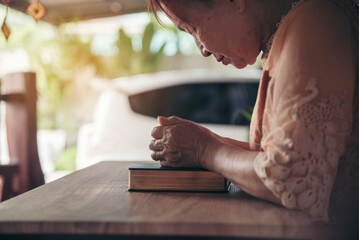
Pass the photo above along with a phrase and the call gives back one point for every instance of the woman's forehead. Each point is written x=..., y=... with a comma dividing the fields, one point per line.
x=176, y=12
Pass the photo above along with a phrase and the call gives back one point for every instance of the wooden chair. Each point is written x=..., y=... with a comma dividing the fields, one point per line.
x=24, y=170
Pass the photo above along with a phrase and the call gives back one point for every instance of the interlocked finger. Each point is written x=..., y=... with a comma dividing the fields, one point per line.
x=173, y=120
x=156, y=145
x=157, y=155
x=165, y=163
x=166, y=156
x=173, y=156
x=158, y=132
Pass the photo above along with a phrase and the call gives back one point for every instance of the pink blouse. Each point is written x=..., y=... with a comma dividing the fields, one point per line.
x=306, y=119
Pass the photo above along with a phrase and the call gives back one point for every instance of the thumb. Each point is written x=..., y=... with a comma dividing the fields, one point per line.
x=173, y=120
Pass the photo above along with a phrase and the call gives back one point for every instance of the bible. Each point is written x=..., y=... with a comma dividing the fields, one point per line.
x=154, y=177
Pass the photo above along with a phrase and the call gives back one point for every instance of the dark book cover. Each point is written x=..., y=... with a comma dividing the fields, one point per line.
x=153, y=177
x=157, y=166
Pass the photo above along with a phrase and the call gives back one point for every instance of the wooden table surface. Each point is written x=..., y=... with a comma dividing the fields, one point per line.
x=96, y=201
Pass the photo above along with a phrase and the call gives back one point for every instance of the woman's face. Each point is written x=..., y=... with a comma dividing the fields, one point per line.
x=223, y=29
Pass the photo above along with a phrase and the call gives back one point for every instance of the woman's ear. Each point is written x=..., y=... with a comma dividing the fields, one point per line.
x=240, y=5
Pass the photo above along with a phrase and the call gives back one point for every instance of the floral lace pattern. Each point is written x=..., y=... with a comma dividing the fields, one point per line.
x=307, y=129
x=269, y=42
x=300, y=157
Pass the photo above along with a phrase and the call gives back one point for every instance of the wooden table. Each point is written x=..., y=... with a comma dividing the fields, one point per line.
x=95, y=202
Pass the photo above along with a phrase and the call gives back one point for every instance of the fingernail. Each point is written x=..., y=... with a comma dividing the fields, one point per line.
x=161, y=118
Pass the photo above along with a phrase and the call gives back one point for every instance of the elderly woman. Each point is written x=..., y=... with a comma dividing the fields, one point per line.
x=304, y=140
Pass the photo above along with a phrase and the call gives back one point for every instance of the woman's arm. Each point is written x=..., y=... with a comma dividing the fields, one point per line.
x=233, y=142
x=236, y=164
x=183, y=143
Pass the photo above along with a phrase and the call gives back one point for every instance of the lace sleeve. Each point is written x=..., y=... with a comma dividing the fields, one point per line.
x=308, y=113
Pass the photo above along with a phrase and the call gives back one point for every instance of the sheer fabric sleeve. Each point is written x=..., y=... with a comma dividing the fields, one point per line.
x=308, y=110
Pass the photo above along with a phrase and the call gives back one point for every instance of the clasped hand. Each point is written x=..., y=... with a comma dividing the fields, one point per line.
x=180, y=143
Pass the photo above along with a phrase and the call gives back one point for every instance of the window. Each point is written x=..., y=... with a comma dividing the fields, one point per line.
x=216, y=103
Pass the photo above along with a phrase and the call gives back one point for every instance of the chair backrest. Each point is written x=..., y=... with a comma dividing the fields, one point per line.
x=24, y=171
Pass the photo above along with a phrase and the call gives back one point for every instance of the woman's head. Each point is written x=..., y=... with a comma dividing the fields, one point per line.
x=228, y=29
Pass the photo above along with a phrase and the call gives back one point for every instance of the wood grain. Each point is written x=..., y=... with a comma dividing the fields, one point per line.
x=96, y=201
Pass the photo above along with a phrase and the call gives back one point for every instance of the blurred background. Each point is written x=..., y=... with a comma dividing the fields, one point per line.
x=103, y=65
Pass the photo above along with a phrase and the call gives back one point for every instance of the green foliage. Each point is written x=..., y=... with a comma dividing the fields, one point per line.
x=128, y=61
x=242, y=112
x=67, y=160
x=59, y=60
x=150, y=60
x=247, y=115
x=73, y=54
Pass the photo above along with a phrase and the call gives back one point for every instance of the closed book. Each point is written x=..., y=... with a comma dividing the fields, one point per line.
x=153, y=177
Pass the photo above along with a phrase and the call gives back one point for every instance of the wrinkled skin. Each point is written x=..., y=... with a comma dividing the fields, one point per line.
x=180, y=143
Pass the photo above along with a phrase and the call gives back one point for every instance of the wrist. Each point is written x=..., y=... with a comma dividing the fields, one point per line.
x=209, y=155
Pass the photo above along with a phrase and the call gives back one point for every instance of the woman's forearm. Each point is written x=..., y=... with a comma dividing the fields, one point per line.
x=236, y=164
x=195, y=145
x=233, y=142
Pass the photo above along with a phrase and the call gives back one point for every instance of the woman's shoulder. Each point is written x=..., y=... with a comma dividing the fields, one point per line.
x=317, y=6
x=315, y=17
x=311, y=23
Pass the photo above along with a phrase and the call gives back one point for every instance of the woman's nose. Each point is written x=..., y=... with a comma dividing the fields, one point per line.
x=202, y=49
x=205, y=53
